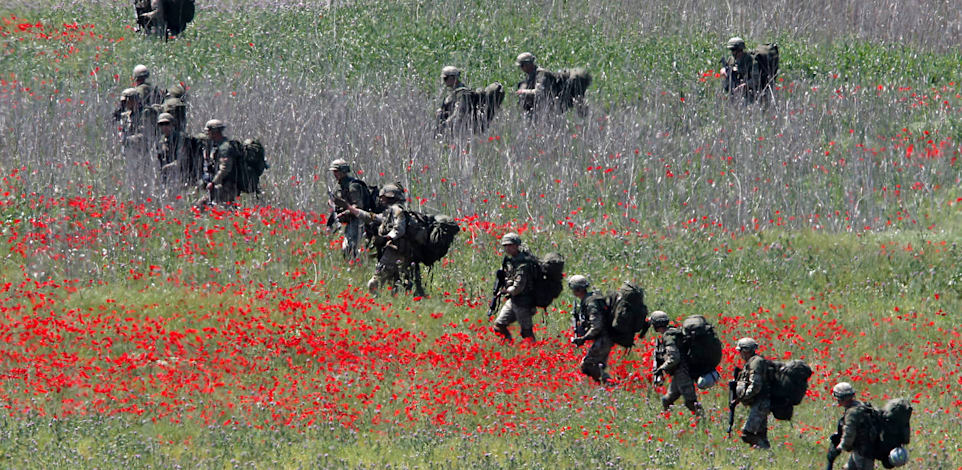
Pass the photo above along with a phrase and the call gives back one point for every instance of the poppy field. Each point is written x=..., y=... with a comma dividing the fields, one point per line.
x=139, y=331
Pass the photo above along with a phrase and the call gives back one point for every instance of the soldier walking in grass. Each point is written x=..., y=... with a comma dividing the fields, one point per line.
x=520, y=271
x=753, y=390
x=738, y=80
x=394, y=251
x=671, y=360
x=354, y=192
x=856, y=430
x=455, y=112
x=591, y=324
x=149, y=94
x=175, y=103
x=172, y=152
x=535, y=91
x=219, y=158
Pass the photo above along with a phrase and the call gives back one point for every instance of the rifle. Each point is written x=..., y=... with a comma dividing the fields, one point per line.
x=833, y=451
x=732, y=400
x=658, y=375
x=499, y=283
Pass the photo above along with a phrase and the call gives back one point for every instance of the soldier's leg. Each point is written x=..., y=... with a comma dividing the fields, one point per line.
x=686, y=388
x=859, y=462
x=385, y=273
x=505, y=317
x=755, y=429
x=525, y=317
x=352, y=237
x=672, y=394
x=594, y=363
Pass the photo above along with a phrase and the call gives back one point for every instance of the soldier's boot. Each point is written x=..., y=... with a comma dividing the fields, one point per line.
x=666, y=402
x=763, y=440
x=695, y=408
x=749, y=438
x=528, y=334
x=502, y=330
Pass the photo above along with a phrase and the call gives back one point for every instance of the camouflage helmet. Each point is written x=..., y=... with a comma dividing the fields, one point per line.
x=510, y=238
x=450, y=71
x=165, y=118
x=176, y=91
x=578, y=282
x=391, y=191
x=746, y=343
x=214, y=124
x=340, y=165
x=658, y=319
x=140, y=71
x=129, y=93
x=843, y=390
x=524, y=58
x=735, y=43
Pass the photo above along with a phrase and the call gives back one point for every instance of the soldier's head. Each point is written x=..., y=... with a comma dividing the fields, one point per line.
x=578, y=285
x=450, y=76
x=525, y=60
x=215, y=129
x=659, y=320
x=340, y=168
x=141, y=74
x=746, y=347
x=390, y=194
x=165, y=122
x=736, y=45
x=844, y=393
x=130, y=99
x=511, y=243
x=177, y=91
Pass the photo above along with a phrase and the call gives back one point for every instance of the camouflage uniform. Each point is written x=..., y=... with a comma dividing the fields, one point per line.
x=395, y=257
x=753, y=391
x=150, y=15
x=455, y=111
x=219, y=161
x=671, y=360
x=520, y=272
x=541, y=82
x=739, y=72
x=174, y=158
x=351, y=190
x=591, y=311
x=856, y=429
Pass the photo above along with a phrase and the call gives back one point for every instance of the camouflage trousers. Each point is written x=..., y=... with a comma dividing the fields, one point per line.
x=222, y=194
x=859, y=462
x=352, y=239
x=389, y=269
x=512, y=312
x=593, y=364
x=755, y=429
x=681, y=386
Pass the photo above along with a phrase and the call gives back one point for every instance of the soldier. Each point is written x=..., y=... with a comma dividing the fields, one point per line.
x=737, y=76
x=131, y=121
x=535, y=91
x=753, y=391
x=456, y=112
x=175, y=103
x=590, y=311
x=149, y=94
x=520, y=271
x=151, y=17
x=172, y=154
x=354, y=192
x=219, y=159
x=855, y=430
x=394, y=260
x=670, y=360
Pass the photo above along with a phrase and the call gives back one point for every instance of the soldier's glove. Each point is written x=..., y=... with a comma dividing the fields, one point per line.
x=578, y=341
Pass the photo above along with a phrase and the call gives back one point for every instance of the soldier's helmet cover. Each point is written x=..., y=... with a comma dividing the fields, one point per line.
x=165, y=118
x=391, y=191
x=450, y=71
x=578, y=282
x=130, y=93
x=658, y=319
x=746, y=344
x=176, y=91
x=843, y=390
x=524, y=58
x=214, y=124
x=340, y=165
x=510, y=238
x=141, y=71
x=735, y=43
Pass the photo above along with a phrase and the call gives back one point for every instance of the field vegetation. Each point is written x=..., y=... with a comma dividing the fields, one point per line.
x=138, y=331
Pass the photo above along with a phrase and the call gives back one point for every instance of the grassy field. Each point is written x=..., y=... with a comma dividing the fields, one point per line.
x=139, y=332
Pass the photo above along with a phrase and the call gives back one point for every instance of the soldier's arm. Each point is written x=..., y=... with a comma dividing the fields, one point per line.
x=522, y=277
x=400, y=223
x=672, y=356
x=755, y=377
x=595, y=320
x=224, y=166
x=847, y=442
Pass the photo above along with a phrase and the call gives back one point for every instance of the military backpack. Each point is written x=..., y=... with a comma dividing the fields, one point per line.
x=894, y=429
x=548, y=283
x=628, y=314
x=178, y=13
x=247, y=172
x=789, y=382
x=703, y=349
x=765, y=64
x=430, y=236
